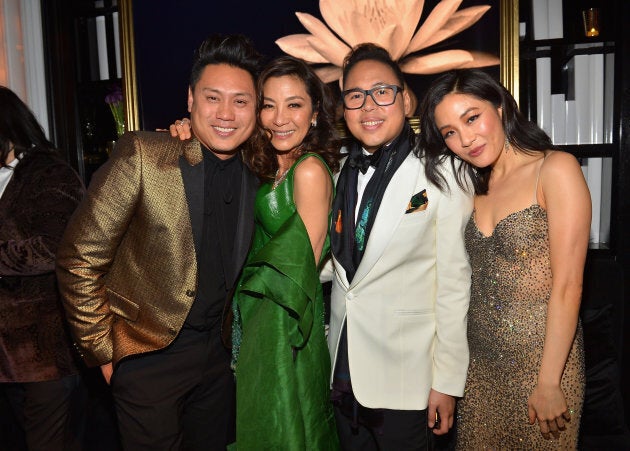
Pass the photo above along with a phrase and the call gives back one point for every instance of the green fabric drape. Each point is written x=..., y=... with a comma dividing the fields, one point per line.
x=283, y=367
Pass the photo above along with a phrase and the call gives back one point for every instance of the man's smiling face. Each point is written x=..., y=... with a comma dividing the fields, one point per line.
x=222, y=108
x=374, y=125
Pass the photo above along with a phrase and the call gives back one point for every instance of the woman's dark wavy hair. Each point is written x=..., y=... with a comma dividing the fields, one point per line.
x=235, y=50
x=19, y=128
x=321, y=139
x=522, y=134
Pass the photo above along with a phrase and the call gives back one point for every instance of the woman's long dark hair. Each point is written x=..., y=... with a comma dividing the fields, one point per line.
x=321, y=139
x=522, y=134
x=19, y=129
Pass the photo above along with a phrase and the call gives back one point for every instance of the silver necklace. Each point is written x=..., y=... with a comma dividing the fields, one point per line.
x=279, y=179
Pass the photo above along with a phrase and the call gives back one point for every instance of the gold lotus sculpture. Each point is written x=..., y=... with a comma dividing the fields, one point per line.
x=390, y=24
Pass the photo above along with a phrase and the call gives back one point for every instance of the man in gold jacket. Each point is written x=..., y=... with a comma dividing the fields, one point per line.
x=149, y=257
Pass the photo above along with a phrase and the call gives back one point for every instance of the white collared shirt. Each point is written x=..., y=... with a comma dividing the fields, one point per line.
x=6, y=172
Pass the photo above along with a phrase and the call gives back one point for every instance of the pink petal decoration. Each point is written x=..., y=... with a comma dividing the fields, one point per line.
x=297, y=45
x=436, y=19
x=391, y=39
x=458, y=22
x=391, y=24
x=321, y=31
x=436, y=62
x=334, y=55
x=481, y=59
x=338, y=15
x=328, y=73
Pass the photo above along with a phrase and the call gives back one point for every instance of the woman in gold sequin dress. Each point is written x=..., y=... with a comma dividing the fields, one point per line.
x=527, y=240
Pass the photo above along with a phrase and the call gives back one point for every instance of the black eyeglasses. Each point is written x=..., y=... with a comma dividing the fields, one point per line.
x=383, y=95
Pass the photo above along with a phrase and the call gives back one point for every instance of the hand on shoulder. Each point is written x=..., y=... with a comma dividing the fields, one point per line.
x=181, y=129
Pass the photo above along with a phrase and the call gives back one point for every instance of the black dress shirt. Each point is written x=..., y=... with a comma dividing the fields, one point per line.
x=222, y=185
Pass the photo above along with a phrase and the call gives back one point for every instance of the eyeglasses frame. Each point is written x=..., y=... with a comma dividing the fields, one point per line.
x=370, y=92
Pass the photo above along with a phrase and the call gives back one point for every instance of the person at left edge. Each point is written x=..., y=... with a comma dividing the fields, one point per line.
x=149, y=258
x=39, y=372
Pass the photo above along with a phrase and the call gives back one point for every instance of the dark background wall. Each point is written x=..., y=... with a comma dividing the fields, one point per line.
x=168, y=31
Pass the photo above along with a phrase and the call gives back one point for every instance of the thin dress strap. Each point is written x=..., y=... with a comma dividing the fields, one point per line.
x=538, y=178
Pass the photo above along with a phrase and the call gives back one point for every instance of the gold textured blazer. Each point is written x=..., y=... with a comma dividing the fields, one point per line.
x=127, y=265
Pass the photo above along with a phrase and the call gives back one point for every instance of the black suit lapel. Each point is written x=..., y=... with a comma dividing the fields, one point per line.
x=245, y=228
x=192, y=177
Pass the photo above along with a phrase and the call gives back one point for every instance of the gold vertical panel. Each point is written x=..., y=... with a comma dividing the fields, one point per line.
x=130, y=89
x=509, y=52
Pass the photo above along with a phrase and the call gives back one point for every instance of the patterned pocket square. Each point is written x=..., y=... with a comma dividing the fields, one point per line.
x=418, y=202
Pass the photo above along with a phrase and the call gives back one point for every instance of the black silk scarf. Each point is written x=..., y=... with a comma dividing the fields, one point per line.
x=348, y=240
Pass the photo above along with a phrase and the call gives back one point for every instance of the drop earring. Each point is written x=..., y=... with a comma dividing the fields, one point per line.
x=314, y=123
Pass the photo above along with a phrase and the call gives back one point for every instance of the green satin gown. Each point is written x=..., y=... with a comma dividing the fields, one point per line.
x=282, y=366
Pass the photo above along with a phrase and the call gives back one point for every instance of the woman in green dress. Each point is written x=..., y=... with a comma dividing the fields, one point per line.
x=280, y=354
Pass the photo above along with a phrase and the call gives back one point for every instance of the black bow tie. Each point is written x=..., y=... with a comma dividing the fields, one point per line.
x=362, y=162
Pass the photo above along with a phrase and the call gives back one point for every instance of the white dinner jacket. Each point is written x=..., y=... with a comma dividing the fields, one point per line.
x=406, y=308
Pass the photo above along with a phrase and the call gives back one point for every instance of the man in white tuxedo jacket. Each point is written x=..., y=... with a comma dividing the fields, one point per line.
x=401, y=278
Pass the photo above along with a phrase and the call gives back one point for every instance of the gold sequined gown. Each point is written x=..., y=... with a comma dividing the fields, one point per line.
x=511, y=284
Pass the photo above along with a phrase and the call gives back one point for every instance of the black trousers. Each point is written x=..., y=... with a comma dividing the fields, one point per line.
x=51, y=414
x=182, y=397
x=403, y=430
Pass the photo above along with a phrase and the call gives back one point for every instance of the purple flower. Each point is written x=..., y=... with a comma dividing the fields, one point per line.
x=115, y=101
x=114, y=96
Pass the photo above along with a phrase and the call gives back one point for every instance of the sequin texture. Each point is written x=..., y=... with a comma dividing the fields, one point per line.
x=511, y=285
